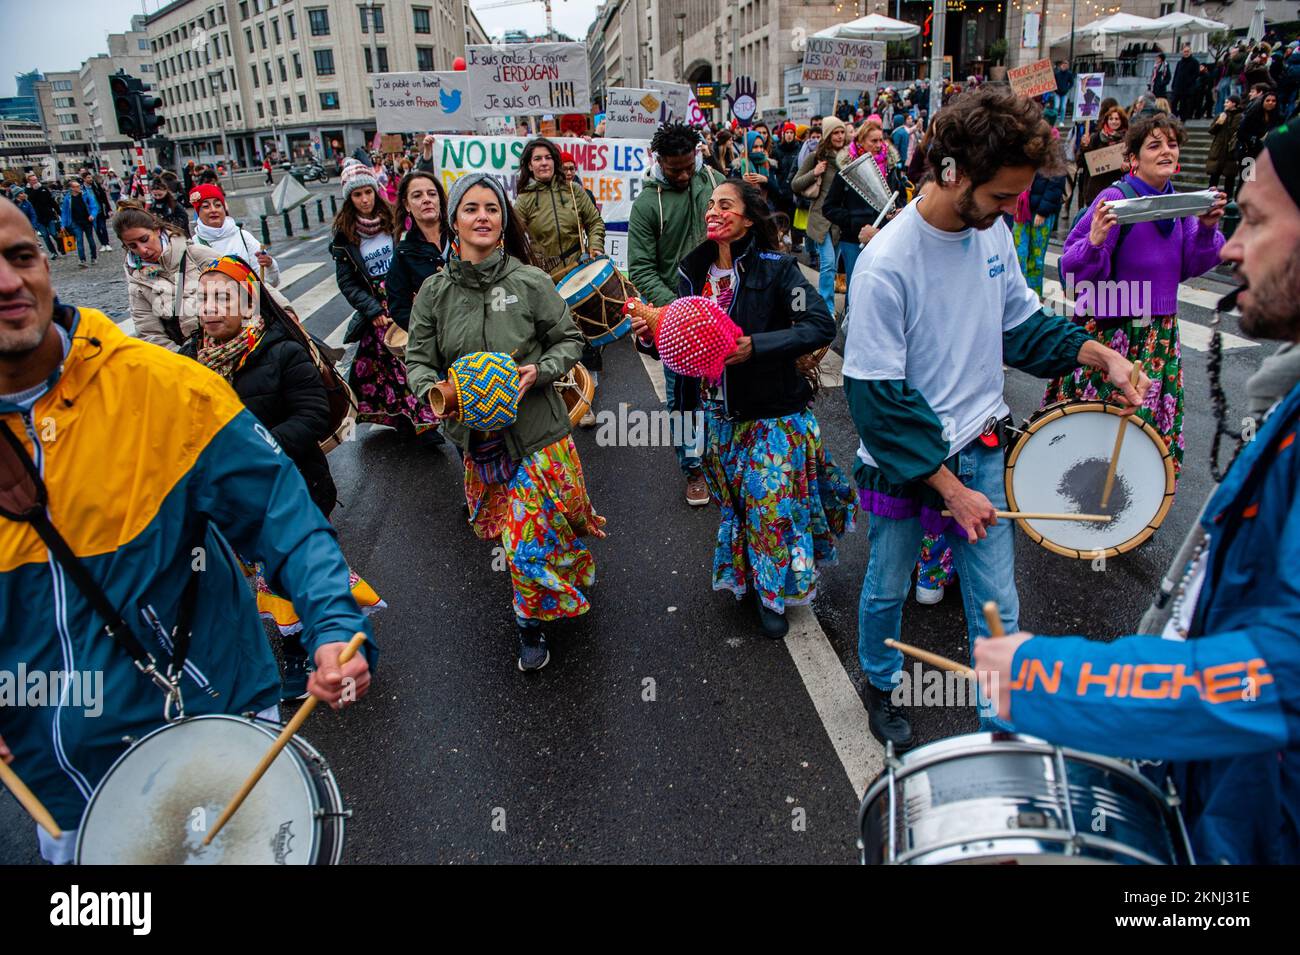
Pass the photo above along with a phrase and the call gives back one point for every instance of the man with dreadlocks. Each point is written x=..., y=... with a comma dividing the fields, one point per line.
x=1220, y=694
x=666, y=223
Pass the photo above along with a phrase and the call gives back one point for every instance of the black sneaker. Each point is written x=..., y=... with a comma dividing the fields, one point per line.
x=293, y=684
x=774, y=624
x=533, y=654
x=886, y=720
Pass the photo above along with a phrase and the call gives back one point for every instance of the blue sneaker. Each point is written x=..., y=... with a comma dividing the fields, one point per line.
x=533, y=652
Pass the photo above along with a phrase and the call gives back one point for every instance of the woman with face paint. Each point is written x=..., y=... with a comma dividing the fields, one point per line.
x=523, y=483
x=783, y=501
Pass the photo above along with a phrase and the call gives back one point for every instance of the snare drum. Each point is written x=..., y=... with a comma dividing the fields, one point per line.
x=1059, y=465
x=595, y=292
x=997, y=798
x=156, y=803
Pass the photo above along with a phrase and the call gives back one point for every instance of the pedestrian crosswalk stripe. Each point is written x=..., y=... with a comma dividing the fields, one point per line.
x=335, y=338
x=316, y=298
x=294, y=272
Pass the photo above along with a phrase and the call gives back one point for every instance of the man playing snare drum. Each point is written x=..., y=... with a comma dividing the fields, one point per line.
x=1220, y=694
x=154, y=470
x=943, y=305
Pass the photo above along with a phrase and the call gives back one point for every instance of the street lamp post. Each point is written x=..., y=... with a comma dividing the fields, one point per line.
x=681, y=46
x=1073, y=5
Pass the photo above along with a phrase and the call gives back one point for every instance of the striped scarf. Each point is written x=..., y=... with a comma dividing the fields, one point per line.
x=226, y=358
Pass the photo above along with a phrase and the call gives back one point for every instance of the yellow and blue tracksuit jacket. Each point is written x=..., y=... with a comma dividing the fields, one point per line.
x=1224, y=705
x=155, y=471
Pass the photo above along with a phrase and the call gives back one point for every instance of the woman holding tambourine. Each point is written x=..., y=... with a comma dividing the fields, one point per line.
x=524, y=485
x=1146, y=261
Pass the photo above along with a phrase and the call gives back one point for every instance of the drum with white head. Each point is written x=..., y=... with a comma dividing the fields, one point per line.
x=156, y=803
x=1059, y=465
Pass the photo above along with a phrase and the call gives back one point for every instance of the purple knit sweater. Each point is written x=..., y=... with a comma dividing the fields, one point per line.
x=1145, y=256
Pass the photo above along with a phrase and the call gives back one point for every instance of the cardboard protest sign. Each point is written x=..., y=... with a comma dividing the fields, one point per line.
x=632, y=113
x=416, y=102
x=391, y=143
x=613, y=169
x=842, y=64
x=1107, y=159
x=521, y=79
x=1087, y=95
x=1032, y=80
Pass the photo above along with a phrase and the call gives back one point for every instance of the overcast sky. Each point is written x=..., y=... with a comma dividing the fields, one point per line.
x=56, y=35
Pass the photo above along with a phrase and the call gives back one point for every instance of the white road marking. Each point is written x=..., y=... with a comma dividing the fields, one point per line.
x=335, y=338
x=295, y=272
x=316, y=298
x=828, y=686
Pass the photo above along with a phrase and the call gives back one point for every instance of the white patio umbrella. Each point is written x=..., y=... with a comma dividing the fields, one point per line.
x=872, y=27
x=1185, y=26
x=1114, y=26
x=1257, y=26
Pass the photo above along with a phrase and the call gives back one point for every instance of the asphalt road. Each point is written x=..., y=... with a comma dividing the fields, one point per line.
x=665, y=728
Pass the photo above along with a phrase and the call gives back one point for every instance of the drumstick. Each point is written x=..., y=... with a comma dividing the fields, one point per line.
x=993, y=618
x=1048, y=516
x=27, y=799
x=281, y=741
x=931, y=658
x=1119, y=443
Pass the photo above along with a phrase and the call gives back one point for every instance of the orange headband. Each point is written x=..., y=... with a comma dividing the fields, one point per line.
x=233, y=268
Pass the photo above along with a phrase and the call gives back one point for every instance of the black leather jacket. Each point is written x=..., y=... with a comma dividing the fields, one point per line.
x=770, y=291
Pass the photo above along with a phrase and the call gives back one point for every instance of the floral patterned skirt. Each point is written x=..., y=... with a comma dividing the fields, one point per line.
x=784, y=504
x=540, y=515
x=1157, y=347
x=1031, y=250
x=934, y=566
x=378, y=378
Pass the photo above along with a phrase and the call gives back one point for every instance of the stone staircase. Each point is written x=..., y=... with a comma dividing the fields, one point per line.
x=1192, y=157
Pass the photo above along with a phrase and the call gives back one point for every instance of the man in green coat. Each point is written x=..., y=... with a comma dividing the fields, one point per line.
x=666, y=223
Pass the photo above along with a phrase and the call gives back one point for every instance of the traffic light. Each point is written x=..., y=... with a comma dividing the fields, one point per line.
x=148, y=118
x=122, y=89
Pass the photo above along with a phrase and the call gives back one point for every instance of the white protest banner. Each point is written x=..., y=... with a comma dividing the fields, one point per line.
x=1087, y=95
x=676, y=106
x=416, y=102
x=842, y=64
x=613, y=169
x=631, y=113
x=522, y=79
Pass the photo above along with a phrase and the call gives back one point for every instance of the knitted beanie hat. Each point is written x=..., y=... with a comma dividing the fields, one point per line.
x=354, y=175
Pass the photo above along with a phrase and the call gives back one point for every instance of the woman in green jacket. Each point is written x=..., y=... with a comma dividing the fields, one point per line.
x=523, y=484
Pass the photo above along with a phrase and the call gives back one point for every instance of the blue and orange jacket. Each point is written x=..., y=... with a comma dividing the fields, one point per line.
x=154, y=467
x=1224, y=705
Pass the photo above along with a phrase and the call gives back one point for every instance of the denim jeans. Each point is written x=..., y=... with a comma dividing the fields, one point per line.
x=986, y=571
x=828, y=264
x=1061, y=99
x=1222, y=92
x=84, y=230
x=688, y=457
x=850, y=248
x=49, y=231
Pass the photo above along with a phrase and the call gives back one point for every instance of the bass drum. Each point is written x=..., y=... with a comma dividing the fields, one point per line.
x=155, y=804
x=998, y=798
x=1059, y=465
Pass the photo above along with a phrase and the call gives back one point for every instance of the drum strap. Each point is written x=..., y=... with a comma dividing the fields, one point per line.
x=24, y=499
